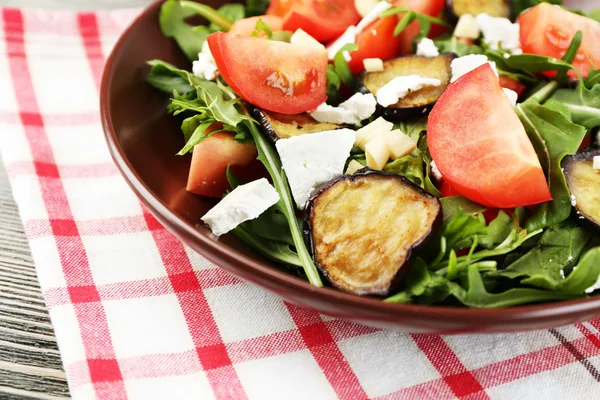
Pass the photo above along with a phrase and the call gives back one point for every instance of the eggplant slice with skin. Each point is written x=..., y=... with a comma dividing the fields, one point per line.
x=494, y=8
x=283, y=126
x=584, y=185
x=363, y=228
x=420, y=101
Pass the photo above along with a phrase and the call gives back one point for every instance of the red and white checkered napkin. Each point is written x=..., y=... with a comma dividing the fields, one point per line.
x=138, y=315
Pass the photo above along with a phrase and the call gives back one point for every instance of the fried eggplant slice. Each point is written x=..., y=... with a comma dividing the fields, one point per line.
x=494, y=8
x=283, y=126
x=363, y=228
x=584, y=185
x=419, y=101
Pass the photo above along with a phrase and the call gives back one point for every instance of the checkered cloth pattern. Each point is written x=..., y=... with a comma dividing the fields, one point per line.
x=140, y=316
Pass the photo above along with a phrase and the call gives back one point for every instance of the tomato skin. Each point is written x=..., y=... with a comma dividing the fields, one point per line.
x=276, y=76
x=480, y=146
x=447, y=190
x=512, y=84
x=322, y=19
x=247, y=25
x=547, y=30
x=586, y=142
x=376, y=41
x=210, y=159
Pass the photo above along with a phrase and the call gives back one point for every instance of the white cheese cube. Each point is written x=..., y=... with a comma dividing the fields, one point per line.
x=512, y=96
x=353, y=166
x=311, y=160
x=596, y=163
x=244, y=203
x=426, y=48
x=368, y=132
x=400, y=86
x=207, y=52
x=373, y=64
x=365, y=6
x=436, y=172
x=205, y=67
x=349, y=36
x=499, y=31
x=334, y=115
x=463, y=65
x=304, y=39
x=372, y=16
x=362, y=105
x=467, y=27
x=377, y=152
x=399, y=144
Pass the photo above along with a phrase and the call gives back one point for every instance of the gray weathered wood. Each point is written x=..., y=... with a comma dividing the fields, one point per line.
x=30, y=365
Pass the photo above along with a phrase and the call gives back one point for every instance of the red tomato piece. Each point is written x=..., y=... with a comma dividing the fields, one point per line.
x=512, y=84
x=247, y=25
x=276, y=76
x=447, y=190
x=480, y=146
x=210, y=160
x=586, y=142
x=432, y=8
x=376, y=41
x=547, y=30
x=322, y=19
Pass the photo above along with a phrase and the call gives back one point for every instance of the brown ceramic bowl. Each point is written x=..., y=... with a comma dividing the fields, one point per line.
x=143, y=141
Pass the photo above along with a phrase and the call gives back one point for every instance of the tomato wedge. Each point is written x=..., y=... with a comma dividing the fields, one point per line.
x=548, y=30
x=480, y=146
x=247, y=26
x=512, y=84
x=276, y=76
x=322, y=19
x=376, y=41
x=210, y=160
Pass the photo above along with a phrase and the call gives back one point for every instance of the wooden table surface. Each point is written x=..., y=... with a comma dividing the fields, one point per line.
x=30, y=365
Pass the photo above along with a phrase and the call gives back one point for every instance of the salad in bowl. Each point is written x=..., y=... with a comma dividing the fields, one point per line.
x=415, y=151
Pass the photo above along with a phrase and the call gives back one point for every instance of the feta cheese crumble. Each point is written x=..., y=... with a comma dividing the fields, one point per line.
x=427, y=48
x=436, y=172
x=467, y=27
x=499, y=32
x=349, y=36
x=596, y=163
x=205, y=67
x=373, y=64
x=573, y=200
x=357, y=108
x=244, y=203
x=512, y=96
x=400, y=86
x=463, y=65
x=311, y=160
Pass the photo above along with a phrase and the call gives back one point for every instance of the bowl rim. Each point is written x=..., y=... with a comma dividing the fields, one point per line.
x=216, y=250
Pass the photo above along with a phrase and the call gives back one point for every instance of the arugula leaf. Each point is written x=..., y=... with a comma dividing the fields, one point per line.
x=570, y=55
x=583, y=104
x=232, y=12
x=477, y=295
x=584, y=274
x=526, y=63
x=261, y=27
x=518, y=6
x=276, y=251
x=190, y=39
x=341, y=65
x=592, y=79
x=268, y=156
x=546, y=264
x=256, y=7
x=454, y=205
x=409, y=16
x=218, y=21
x=553, y=136
x=168, y=78
x=333, y=86
x=450, y=44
